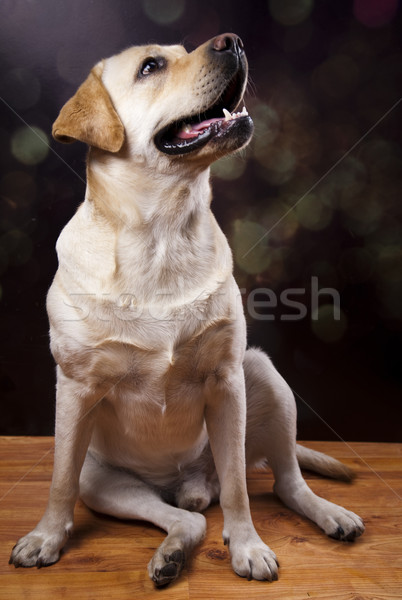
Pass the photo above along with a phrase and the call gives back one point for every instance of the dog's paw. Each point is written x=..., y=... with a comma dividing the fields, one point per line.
x=166, y=566
x=168, y=560
x=37, y=550
x=342, y=524
x=254, y=560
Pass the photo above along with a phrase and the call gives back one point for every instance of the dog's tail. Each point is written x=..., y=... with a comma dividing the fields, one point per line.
x=323, y=464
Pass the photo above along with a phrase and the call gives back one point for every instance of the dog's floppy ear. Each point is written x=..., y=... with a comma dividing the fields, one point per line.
x=90, y=117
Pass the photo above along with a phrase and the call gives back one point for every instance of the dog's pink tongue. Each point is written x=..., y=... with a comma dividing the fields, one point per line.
x=192, y=131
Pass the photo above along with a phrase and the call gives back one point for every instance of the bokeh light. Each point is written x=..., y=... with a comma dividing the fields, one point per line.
x=312, y=213
x=30, y=145
x=290, y=12
x=375, y=13
x=277, y=268
x=326, y=327
x=229, y=168
x=298, y=37
x=362, y=213
x=281, y=229
x=389, y=263
x=279, y=164
x=389, y=233
x=17, y=245
x=20, y=88
x=18, y=188
x=337, y=77
x=266, y=126
x=162, y=12
x=245, y=235
x=351, y=179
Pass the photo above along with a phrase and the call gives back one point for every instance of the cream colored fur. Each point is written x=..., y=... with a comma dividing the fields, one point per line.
x=155, y=388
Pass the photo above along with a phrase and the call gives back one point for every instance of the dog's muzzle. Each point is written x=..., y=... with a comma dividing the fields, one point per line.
x=219, y=121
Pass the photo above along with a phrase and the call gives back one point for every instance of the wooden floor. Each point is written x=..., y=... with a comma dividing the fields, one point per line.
x=107, y=558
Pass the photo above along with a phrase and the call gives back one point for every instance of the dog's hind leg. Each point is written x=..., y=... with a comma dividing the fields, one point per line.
x=271, y=435
x=121, y=494
x=199, y=484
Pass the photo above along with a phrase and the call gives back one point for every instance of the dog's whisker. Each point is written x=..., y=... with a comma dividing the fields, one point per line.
x=251, y=88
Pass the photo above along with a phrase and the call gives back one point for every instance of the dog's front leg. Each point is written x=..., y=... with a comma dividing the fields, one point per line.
x=226, y=423
x=75, y=413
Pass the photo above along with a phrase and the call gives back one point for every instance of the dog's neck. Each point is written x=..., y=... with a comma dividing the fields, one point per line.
x=136, y=196
x=168, y=238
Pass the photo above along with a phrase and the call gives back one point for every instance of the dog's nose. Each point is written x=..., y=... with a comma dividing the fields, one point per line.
x=228, y=42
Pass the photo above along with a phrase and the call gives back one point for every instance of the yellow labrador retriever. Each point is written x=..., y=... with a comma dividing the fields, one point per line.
x=160, y=407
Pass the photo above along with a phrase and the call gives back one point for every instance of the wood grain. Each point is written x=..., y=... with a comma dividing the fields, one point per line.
x=107, y=558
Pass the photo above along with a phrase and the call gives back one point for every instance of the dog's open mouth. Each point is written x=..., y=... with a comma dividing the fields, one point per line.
x=193, y=132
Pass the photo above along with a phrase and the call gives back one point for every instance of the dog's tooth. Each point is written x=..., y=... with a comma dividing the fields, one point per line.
x=227, y=114
x=244, y=112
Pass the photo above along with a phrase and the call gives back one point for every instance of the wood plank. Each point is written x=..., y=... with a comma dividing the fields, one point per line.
x=106, y=558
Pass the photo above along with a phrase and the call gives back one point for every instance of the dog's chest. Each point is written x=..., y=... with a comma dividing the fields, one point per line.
x=166, y=371
x=154, y=412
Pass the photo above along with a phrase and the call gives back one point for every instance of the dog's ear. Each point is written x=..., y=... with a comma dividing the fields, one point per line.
x=90, y=117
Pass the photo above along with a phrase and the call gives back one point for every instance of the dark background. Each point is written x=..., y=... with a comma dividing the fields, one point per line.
x=325, y=80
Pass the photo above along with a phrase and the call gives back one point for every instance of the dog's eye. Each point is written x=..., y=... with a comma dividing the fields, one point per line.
x=150, y=65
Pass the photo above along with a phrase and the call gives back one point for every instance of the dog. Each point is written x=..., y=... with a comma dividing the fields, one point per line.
x=160, y=404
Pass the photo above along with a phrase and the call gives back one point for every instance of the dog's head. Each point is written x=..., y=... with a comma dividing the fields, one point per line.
x=161, y=100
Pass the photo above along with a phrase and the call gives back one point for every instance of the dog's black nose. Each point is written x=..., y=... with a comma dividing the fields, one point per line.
x=228, y=42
